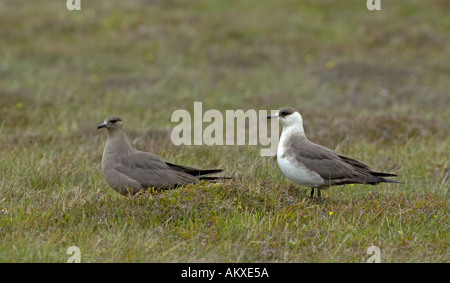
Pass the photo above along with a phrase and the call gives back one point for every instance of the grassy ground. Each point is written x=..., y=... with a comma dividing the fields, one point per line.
x=372, y=85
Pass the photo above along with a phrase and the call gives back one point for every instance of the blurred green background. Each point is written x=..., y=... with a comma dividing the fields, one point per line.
x=145, y=59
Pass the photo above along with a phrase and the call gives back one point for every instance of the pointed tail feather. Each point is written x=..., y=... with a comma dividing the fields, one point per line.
x=381, y=178
x=193, y=171
x=214, y=179
x=376, y=180
x=380, y=174
x=384, y=180
x=201, y=173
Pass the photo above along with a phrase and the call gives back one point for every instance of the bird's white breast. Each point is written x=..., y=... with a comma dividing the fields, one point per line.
x=292, y=169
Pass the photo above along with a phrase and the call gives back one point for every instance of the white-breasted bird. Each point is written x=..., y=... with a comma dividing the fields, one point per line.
x=315, y=166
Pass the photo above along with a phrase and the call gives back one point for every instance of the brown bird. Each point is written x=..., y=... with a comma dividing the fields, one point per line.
x=315, y=166
x=129, y=171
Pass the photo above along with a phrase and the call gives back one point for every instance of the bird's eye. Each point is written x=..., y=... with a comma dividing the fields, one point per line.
x=114, y=121
x=284, y=113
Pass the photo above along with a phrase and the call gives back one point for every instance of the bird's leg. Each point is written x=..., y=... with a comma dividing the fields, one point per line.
x=312, y=192
x=319, y=195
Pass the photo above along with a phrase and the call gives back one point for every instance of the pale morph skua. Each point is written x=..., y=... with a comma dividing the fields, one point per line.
x=315, y=166
x=129, y=171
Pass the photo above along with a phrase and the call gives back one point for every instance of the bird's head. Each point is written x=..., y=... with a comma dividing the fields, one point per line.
x=288, y=116
x=112, y=123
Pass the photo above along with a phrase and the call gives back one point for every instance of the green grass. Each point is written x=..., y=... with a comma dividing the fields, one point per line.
x=372, y=85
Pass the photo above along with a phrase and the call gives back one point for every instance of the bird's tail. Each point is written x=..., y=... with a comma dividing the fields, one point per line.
x=384, y=180
x=381, y=174
x=199, y=173
x=380, y=177
x=213, y=179
x=192, y=170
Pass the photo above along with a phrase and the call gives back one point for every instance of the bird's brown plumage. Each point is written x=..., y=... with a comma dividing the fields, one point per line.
x=128, y=170
x=335, y=169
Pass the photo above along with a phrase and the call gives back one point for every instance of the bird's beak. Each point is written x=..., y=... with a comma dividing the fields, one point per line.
x=102, y=125
x=274, y=116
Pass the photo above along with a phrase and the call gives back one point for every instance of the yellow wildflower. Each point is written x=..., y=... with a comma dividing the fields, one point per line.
x=95, y=78
x=148, y=56
x=330, y=65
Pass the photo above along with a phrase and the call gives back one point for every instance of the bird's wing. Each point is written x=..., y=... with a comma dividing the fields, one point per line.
x=151, y=170
x=354, y=162
x=328, y=164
